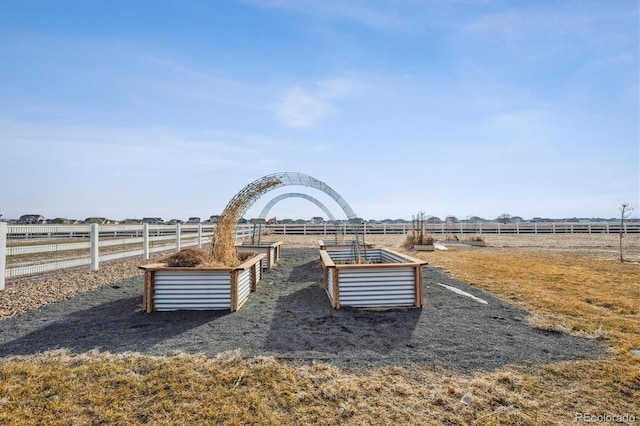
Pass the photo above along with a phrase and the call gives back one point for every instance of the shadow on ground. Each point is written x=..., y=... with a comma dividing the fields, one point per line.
x=290, y=317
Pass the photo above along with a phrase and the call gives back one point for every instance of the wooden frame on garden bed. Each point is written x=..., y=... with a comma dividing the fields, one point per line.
x=199, y=288
x=389, y=279
x=330, y=245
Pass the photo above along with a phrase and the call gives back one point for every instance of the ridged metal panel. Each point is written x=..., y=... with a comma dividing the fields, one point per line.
x=377, y=287
x=387, y=257
x=272, y=256
x=244, y=285
x=259, y=274
x=176, y=290
x=346, y=255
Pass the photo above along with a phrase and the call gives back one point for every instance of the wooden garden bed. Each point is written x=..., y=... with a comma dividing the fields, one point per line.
x=270, y=249
x=386, y=279
x=199, y=288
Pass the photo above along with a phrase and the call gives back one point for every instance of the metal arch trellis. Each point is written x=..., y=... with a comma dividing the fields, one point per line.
x=274, y=201
x=250, y=193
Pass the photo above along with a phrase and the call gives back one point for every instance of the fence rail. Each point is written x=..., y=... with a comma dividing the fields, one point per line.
x=460, y=228
x=32, y=249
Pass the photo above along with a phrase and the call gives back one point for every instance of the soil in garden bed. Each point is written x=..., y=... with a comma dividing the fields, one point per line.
x=290, y=317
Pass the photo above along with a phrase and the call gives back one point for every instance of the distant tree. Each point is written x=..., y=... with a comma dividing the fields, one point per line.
x=503, y=218
x=625, y=211
x=451, y=219
x=474, y=219
x=434, y=219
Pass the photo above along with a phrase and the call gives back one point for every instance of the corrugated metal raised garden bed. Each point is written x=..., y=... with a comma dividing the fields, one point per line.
x=270, y=249
x=199, y=288
x=381, y=279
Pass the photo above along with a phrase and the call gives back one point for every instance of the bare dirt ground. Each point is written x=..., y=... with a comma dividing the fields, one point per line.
x=290, y=318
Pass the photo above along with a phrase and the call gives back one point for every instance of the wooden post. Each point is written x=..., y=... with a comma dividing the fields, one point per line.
x=418, y=285
x=95, y=255
x=199, y=235
x=336, y=289
x=254, y=275
x=233, y=276
x=152, y=291
x=3, y=252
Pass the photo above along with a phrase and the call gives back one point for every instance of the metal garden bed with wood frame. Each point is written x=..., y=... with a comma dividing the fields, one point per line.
x=200, y=288
x=270, y=249
x=381, y=278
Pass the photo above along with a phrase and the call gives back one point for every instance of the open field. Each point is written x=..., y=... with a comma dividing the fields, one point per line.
x=571, y=285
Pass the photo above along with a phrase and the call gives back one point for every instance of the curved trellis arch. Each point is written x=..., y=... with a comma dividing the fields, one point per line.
x=274, y=201
x=241, y=202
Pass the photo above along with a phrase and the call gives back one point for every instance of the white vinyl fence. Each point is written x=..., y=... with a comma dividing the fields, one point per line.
x=459, y=228
x=32, y=249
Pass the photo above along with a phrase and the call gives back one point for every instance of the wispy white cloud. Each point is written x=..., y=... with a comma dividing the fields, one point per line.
x=300, y=107
x=560, y=28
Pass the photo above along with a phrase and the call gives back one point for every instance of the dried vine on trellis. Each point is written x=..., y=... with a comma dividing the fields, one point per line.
x=224, y=250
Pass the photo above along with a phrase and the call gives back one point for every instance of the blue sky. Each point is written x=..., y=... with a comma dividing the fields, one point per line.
x=128, y=109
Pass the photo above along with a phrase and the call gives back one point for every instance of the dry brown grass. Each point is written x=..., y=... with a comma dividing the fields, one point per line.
x=566, y=289
x=188, y=257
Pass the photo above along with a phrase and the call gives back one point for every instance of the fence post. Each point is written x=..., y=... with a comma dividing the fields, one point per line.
x=177, y=237
x=95, y=252
x=3, y=252
x=199, y=235
x=145, y=241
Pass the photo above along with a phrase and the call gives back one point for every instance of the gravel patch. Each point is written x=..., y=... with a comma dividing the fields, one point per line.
x=290, y=318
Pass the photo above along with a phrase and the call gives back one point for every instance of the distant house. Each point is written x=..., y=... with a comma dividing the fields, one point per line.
x=152, y=220
x=99, y=221
x=61, y=221
x=131, y=222
x=31, y=219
